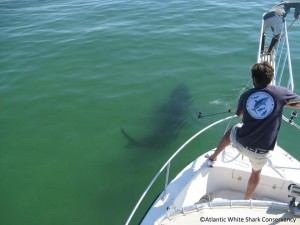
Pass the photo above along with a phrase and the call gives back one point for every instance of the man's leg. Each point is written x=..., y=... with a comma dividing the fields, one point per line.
x=252, y=183
x=263, y=40
x=273, y=43
x=225, y=141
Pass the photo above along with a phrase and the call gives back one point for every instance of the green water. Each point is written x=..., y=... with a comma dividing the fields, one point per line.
x=73, y=73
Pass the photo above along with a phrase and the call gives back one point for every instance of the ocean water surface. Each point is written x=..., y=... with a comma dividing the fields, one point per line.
x=96, y=95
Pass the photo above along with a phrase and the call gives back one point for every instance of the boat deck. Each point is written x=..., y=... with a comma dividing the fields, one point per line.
x=281, y=170
x=224, y=184
x=224, y=193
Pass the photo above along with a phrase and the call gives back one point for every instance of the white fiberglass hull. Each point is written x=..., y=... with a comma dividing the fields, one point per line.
x=226, y=182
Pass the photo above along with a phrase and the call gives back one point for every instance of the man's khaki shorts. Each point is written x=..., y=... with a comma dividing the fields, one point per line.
x=257, y=160
x=275, y=22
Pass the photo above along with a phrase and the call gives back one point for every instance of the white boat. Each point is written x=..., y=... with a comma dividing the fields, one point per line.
x=215, y=195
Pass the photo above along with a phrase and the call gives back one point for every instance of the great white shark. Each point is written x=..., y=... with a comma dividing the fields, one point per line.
x=170, y=119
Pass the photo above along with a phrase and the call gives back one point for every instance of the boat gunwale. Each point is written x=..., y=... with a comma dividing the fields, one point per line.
x=252, y=204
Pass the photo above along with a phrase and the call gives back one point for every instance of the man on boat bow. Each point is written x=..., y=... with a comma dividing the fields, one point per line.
x=275, y=18
x=261, y=111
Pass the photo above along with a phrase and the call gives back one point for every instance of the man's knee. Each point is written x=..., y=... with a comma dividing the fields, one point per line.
x=255, y=172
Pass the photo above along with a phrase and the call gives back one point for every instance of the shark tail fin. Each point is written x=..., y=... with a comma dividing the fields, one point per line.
x=130, y=140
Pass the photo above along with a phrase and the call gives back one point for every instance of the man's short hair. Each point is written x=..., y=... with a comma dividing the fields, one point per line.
x=263, y=73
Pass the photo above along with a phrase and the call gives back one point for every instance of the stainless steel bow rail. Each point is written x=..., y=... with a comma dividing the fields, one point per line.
x=282, y=63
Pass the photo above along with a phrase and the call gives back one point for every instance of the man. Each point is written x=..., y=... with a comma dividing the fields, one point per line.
x=275, y=18
x=261, y=111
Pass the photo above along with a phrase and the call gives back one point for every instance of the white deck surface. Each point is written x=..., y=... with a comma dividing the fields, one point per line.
x=227, y=180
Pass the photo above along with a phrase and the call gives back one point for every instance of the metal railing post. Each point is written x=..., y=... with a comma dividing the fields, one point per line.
x=167, y=180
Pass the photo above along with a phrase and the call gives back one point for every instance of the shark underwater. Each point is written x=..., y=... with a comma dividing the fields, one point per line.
x=169, y=120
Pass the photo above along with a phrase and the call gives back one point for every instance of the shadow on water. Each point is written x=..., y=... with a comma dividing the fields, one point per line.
x=168, y=121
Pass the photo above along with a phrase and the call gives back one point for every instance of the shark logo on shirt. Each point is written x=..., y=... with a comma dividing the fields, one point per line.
x=260, y=104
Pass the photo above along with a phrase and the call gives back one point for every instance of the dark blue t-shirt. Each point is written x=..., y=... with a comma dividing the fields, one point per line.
x=283, y=9
x=262, y=114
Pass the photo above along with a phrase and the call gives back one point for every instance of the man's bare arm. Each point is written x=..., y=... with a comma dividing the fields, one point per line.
x=295, y=104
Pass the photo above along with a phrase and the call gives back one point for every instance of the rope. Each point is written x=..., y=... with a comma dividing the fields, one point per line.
x=290, y=26
x=292, y=23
